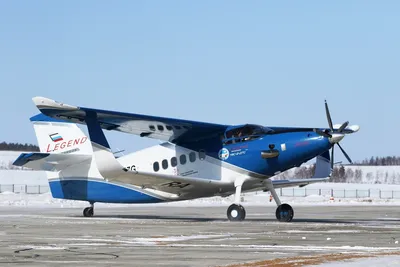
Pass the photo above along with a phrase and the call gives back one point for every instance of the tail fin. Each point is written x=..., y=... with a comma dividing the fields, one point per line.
x=60, y=137
x=65, y=154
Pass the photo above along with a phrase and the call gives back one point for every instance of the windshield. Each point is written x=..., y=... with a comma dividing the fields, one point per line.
x=245, y=133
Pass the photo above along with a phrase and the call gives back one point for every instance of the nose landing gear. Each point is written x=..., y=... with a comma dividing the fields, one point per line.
x=236, y=212
x=284, y=212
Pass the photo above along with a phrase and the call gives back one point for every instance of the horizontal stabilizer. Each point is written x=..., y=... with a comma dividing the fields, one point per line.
x=50, y=161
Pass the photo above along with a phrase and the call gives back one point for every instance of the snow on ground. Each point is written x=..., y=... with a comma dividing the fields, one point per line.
x=384, y=261
x=10, y=177
x=7, y=157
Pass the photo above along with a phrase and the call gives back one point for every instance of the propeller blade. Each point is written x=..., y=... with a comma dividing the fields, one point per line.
x=332, y=161
x=345, y=154
x=328, y=116
x=343, y=126
x=318, y=131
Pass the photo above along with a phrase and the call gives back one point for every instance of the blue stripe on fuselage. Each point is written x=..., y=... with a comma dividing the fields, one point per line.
x=98, y=191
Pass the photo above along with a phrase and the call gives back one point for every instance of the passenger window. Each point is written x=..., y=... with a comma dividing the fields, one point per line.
x=160, y=127
x=202, y=154
x=164, y=164
x=182, y=159
x=169, y=128
x=174, y=161
x=156, y=166
x=192, y=156
x=152, y=128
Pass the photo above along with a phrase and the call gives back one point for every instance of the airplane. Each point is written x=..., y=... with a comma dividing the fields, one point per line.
x=194, y=160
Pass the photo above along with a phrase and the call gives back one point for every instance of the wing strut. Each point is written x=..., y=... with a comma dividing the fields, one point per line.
x=106, y=162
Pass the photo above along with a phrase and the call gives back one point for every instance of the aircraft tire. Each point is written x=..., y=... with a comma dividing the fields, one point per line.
x=88, y=212
x=284, y=213
x=236, y=212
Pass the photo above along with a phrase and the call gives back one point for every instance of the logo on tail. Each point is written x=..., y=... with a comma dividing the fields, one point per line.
x=56, y=137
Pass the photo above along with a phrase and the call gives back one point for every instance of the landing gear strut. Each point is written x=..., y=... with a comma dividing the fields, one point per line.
x=284, y=212
x=89, y=211
x=236, y=212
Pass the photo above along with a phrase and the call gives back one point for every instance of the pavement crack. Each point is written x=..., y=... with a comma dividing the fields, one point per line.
x=92, y=253
x=24, y=249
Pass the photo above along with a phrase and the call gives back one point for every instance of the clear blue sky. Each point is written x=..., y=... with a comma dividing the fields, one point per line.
x=265, y=62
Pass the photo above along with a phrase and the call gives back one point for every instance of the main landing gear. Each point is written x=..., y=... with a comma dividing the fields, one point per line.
x=236, y=212
x=89, y=211
x=284, y=212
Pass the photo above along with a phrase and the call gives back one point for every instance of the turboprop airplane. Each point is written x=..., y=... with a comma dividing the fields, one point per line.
x=196, y=159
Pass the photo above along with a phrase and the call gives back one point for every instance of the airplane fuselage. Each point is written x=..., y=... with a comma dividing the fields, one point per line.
x=228, y=162
x=207, y=159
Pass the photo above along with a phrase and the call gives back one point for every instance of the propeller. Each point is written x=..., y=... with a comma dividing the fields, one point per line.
x=336, y=134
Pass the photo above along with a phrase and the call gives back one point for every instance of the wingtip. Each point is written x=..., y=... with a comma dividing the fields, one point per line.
x=43, y=103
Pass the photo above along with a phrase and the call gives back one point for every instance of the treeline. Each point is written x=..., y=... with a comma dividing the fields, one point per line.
x=339, y=174
x=18, y=147
x=381, y=161
x=349, y=174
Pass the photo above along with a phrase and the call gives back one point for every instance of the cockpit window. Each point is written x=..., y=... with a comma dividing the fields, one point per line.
x=245, y=133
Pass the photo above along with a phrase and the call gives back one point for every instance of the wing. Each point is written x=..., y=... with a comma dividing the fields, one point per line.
x=173, y=184
x=110, y=168
x=348, y=130
x=167, y=129
x=297, y=182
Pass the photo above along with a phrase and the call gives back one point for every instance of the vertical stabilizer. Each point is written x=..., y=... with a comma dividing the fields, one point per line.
x=60, y=137
x=68, y=148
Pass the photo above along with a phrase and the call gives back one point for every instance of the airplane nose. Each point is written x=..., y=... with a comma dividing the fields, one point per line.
x=336, y=138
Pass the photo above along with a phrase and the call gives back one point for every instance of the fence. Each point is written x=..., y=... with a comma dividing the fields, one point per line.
x=286, y=192
x=340, y=193
x=23, y=188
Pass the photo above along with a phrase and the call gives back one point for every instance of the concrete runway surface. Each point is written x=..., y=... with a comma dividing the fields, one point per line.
x=162, y=235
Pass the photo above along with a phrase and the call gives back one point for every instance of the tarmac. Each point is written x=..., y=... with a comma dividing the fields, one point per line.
x=162, y=235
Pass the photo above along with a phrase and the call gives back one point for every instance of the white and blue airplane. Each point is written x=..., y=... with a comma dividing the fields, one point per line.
x=196, y=159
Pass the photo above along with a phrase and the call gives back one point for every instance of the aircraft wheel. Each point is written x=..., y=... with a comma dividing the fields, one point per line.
x=88, y=212
x=236, y=212
x=284, y=213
